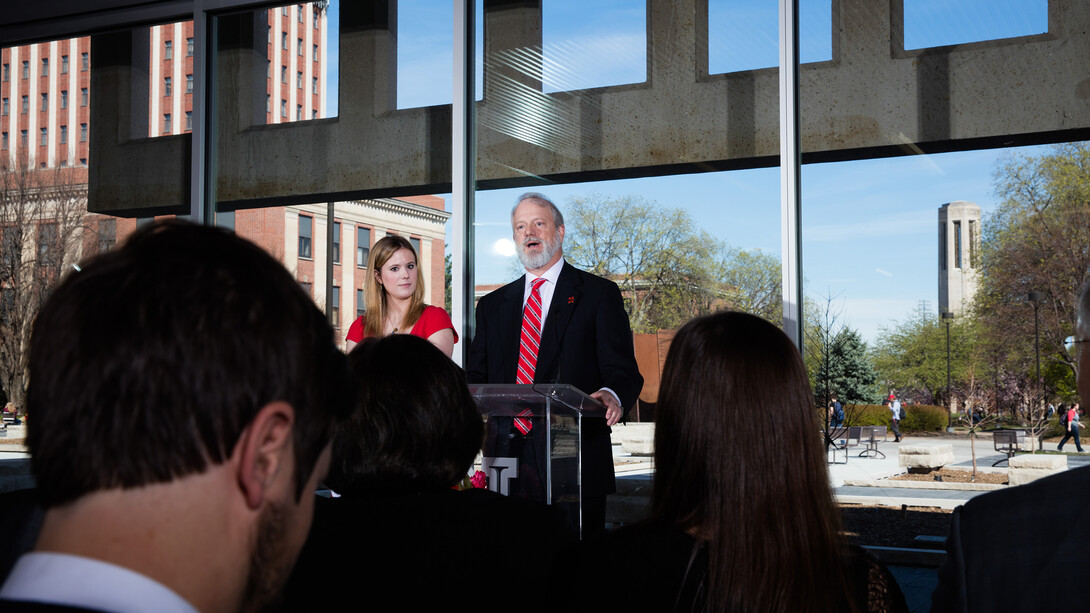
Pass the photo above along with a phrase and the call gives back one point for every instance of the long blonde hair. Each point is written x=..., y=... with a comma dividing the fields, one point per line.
x=374, y=294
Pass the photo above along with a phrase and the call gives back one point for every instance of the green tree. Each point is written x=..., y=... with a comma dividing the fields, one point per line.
x=852, y=376
x=448, y=279
x=836, y=357
x=911, y=357
x=753, y=283
x=1037, y=240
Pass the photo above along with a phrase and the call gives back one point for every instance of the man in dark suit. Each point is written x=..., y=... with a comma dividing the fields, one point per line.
x=584, y=339
x=183, y=392
x=1017, y=549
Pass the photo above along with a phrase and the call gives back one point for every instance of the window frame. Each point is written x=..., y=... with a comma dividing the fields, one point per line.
x=306, y=239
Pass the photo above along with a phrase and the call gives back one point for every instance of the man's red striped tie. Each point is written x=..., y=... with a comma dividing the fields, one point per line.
x=529, y=342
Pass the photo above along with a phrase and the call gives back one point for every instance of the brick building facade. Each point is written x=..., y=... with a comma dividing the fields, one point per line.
x=44, y=114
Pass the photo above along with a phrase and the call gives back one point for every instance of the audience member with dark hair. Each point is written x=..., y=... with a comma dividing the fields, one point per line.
x=184, y=391
x=1014, y=549
x=398, y=529
x=742, y=517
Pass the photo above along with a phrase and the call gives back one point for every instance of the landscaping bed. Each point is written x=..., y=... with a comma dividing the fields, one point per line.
x=893, y=527
x=949, y=475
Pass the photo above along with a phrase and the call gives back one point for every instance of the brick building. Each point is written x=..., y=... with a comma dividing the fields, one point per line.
x=44, y=115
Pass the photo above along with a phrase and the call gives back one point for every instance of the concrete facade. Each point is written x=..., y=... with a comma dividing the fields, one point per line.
x=874, y=98
x=959, y=255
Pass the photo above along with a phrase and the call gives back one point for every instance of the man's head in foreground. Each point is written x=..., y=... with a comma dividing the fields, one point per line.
x=184, y=390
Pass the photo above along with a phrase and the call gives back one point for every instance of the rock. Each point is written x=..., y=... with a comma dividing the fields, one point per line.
x=1030, y=467
x=925, y=458
x=637, y=439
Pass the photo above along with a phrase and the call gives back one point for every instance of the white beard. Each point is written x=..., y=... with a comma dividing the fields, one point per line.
x=548, y=250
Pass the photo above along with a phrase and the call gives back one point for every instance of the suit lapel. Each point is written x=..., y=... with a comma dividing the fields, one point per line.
x=511, y=326
x=566, y=296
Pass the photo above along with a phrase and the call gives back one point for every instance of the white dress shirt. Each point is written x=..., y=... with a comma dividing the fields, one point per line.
x=547, y=288
x=64, y=579
x=546, y=292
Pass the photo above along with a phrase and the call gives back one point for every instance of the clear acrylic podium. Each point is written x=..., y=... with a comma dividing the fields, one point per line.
x=546, y=463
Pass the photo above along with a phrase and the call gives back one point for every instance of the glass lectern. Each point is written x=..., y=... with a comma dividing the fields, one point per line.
x=533, y=442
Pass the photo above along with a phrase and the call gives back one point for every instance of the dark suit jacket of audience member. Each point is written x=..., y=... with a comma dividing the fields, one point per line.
x=1018, y=549
x=20, y=520
x=428, y=551
x=586, y=342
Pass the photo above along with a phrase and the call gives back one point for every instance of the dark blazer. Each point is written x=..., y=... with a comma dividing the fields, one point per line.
x=426, y=551
x=1018, y=549
x=586, y=342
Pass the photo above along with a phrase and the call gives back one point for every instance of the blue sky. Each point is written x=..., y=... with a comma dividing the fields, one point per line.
x=869, y=227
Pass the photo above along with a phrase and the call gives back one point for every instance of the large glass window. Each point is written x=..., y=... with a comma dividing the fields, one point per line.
x=624, y=114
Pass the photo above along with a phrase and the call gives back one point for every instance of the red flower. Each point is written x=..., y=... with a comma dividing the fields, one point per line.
x=479, y=480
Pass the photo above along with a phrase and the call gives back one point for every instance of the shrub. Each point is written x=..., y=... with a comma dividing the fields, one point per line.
x=918, y=417
x=925, y=418
x=1054, y=429
x=866, y=415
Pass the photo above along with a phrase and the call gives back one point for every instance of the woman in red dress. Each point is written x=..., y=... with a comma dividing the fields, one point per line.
x=394, y=299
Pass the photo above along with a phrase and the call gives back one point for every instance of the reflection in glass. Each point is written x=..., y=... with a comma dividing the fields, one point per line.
x=933, y=23
x=587, y=45
x=743, y=35
x=45, y=228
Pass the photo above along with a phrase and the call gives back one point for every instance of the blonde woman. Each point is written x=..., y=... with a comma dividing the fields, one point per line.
x=394, y=299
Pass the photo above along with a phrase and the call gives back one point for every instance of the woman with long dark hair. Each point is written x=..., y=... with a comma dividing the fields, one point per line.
x=742, y=516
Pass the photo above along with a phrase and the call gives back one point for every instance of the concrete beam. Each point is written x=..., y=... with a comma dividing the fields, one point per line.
x=873, y=98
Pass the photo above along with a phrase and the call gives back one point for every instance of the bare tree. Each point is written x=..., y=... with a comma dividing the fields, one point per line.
x=667, y=267
x=664, y=264
x=975, y=427
x=42, y=215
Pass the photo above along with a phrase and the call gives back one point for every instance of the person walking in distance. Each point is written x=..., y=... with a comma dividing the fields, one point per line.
x=895, y=419
x=1072, y=428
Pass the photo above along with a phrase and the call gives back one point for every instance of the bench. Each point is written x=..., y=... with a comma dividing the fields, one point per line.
x=838, y=441
x=1008, y=442
x=870, y=435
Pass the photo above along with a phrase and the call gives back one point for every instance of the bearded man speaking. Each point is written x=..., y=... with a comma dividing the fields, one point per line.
x=559, y=324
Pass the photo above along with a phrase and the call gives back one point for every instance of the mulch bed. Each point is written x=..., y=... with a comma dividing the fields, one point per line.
x=893, y=527
x=948, y=475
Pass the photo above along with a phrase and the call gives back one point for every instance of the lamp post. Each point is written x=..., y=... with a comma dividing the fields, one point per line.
x=948, y=317
x=1036, y=298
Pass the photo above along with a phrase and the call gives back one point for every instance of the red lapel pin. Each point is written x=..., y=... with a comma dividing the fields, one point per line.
x=571, y=299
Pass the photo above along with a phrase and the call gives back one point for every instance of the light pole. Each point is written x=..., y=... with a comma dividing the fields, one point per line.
x=1036, y=298
x=948, y=317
